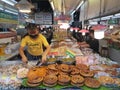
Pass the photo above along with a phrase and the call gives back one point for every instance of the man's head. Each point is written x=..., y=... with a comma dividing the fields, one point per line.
x=32, y=30
x=91, y=33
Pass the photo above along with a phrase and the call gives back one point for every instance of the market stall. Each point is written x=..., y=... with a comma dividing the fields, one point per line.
x=67, y=67
x=103, y=76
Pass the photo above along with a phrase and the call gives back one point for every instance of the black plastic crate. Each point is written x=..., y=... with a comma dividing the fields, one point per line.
x=29, y=88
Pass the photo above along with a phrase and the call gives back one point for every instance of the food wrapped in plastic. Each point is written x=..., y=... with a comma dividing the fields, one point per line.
x=51, y=60
x=22, y=72
x=68, y=60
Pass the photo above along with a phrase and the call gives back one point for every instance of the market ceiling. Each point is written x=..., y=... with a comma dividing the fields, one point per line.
x=65, y=6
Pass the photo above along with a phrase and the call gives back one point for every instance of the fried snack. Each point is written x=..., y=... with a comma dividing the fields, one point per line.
x=33, y=84
x=106, y=80
x=32, y=74
x=86, y=73
x=62, y=73
x=63, y=79
x=52, y=66
x=106, y=67
x=82, y=66
x=115, y=65
x=112, y=72
x=52, y=69
x=42, y=71
x=92, y=83
x=52, y=72
x=71, y=67
x=77, y=80
x=50, y=80
x=74, y=71
x=36, y=80
x=117, y=81
x=64, y=68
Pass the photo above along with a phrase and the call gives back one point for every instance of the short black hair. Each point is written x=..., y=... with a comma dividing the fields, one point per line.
x=91, y=31
x=31, y=26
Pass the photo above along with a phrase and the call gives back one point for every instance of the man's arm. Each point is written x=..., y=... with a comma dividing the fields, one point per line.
x=44, y=55
x=22, y=54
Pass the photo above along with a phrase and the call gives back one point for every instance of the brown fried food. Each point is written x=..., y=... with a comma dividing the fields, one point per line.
x=92, y=83
x=106, y=80
x=82, y=66
x=62, y=73
x=50, y=80
x=36, y=80
x=32, y=74
x=64, y=67
x=77, y=80
x=52, y=66
x=52, y=72
x=75, y=71
x=63, y=79
x=33, y=85
x=42, y=71
x=86, y=73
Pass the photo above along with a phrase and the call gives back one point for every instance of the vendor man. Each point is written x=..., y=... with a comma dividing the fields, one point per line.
x=34, y=42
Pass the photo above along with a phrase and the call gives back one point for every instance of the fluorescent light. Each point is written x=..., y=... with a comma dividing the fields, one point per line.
x=11, y=12
x=25, y=10
x=9, y=2
x=52, y=5
x=111, y=27
x=107, y=17
x=73, y=12
x=118, y=14
x=77, y=7
x=1, y=8
x=99, y=34
x=11, y=9
x=14, y=1
x=80, y=4
x=24, y=6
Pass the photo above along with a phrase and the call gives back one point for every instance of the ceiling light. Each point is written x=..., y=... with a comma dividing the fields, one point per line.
x=25, y=11
x=99, y=31
x=9, y=2
x=84, y=31
x=78, y=7
x=1, y=8
x=11, y=12
x=24, y=6
x=118, y=14
x=52, y=5
x=99, y=34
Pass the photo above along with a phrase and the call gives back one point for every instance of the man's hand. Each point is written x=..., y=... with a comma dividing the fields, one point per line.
x=24, y=59
x=43, y=58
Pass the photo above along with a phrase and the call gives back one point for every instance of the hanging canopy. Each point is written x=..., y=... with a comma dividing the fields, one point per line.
x=84, y=31
x=99, y=27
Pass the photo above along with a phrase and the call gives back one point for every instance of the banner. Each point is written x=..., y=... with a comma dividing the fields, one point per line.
x=8, y=18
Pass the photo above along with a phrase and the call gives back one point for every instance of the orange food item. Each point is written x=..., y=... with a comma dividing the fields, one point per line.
x=36, y=72
x=42, y=71
x=32, y=74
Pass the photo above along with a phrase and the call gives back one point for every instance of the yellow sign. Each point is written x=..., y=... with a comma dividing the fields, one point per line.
x=2, y=20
